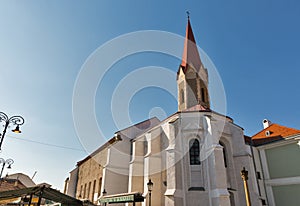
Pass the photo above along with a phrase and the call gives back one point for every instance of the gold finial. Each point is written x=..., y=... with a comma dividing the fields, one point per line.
x=244, y=174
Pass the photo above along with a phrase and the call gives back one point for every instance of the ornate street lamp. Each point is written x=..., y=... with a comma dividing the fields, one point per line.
x=14, y=120
x=4, y=162
x=150, y=187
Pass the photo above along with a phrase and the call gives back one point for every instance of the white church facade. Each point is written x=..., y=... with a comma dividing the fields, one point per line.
x=193, y=157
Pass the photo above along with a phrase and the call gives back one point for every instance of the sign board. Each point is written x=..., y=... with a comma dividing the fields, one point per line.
x=122, y=198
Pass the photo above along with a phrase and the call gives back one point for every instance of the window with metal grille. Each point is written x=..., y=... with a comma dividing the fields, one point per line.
x=194, y=152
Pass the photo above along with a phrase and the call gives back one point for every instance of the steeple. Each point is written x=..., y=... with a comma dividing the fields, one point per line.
x=190, y=55
x=192, y=77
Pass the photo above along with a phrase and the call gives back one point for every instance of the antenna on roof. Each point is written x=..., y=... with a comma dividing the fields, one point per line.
x=34, y=175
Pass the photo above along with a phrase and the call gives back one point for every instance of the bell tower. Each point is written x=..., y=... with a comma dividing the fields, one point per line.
x=192, y=77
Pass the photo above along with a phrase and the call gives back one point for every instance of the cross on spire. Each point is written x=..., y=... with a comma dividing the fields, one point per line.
x=188, y=14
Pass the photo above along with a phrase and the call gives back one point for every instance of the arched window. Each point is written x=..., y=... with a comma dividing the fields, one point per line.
x=194, y=152
x=224, y=154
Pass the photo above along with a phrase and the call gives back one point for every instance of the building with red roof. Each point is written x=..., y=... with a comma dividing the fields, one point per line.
x=277, y=163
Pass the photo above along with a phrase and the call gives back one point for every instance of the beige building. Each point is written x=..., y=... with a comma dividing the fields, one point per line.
x=107, y=167
x=194, y=157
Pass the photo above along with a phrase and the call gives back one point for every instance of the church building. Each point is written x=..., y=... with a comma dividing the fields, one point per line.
x=193, y=157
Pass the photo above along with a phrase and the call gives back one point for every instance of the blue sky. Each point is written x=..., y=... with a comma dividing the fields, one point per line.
x=43, y=45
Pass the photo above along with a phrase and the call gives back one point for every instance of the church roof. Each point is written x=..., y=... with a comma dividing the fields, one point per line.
x=190, y=56
x=141, y=127
x=197, y=107
x=273, y=133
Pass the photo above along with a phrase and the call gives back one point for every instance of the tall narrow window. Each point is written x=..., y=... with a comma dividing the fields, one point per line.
x=194, y=152
x=131, y=150
x=202, y=94
x=80, y=194
x=99, y=187
x=181, y=96
x=84, y=191
x=145, y=147
x=88, y=191
x=93, y=191
x=224, y=154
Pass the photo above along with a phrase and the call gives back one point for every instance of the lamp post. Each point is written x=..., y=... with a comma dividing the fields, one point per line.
x=150, y=187
x=244, y=175
x=4, y=162
x=103, y=194
x=14, y=120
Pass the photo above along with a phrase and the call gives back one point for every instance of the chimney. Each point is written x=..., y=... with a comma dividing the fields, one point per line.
x=266, y=123
x=66, y=185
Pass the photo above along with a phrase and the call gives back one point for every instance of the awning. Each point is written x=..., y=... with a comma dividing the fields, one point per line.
x=122, y=198
x=43, y=192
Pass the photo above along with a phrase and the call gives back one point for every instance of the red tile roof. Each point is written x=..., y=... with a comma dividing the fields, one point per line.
x=276, y=132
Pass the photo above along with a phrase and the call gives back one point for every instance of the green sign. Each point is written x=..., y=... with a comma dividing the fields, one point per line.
x=120, y=199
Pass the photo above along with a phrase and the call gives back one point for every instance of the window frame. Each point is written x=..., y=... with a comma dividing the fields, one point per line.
x=194, y=152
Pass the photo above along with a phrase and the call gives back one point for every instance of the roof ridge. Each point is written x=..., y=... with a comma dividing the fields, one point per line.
x=139, y=123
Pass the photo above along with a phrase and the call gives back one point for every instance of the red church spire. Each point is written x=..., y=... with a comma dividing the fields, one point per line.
x=190, y=56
